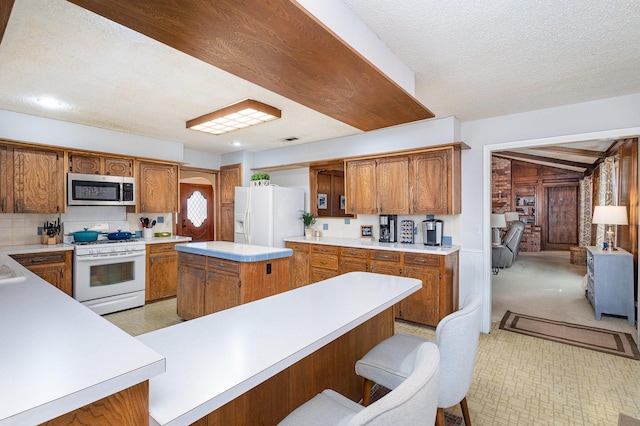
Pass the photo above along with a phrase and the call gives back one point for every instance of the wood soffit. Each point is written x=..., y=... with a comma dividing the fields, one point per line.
x=277, y=45
x=5, y=11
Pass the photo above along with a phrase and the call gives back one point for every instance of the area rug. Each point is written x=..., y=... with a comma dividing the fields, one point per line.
x=597, y=339
x=378, y=392
x=624, y=420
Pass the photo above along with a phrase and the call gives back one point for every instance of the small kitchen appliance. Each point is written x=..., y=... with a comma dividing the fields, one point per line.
x=388, y=228
x=406, y=232
x=432, y=232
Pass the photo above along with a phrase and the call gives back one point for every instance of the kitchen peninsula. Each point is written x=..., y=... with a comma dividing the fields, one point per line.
x=257, y=362
x=217, y=275
x=59, y=357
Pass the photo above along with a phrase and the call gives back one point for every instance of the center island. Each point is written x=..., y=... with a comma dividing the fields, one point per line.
x=257, y=362
x=217, y=275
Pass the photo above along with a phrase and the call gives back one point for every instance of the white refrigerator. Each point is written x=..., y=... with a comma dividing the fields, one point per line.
x=264, y=215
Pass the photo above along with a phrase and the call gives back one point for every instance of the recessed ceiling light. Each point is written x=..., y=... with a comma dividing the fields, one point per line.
x=236, y=143
x=235, y=117
x=50, y=103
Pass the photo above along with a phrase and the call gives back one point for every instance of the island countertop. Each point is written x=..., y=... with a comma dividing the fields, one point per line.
x=213, y=359
x=234, y=251
x=376, y=245
x=57, y=355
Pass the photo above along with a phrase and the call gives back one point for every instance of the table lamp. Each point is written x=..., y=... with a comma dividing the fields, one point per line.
x=511, y=216
x=610, y=215
x=497, y=221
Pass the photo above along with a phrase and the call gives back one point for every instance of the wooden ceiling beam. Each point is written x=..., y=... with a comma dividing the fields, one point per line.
x=5, y=12
x=573, y=151
x=530, y=157
x=277, y=45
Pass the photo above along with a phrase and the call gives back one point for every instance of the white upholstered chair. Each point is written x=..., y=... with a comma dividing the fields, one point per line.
x=457, y=334
x=411, y=403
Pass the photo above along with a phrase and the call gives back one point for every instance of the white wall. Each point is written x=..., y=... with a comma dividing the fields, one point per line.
x=45, y=131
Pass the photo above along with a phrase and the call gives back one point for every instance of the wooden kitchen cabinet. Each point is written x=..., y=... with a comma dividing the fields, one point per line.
x=392, y=183
x=353, y=260
x=162, y=271
x=209, y=284
x=192, y=271
x=386, y=262
x=157, y=187
x=361, y=187
x=6, y=180
x=438, y=273
x=230, y=177
x=299, y=264
x=435, y=182
x=100, y=165
x=38, y=180
x=420, y=182
x=324, y=262
x=54, y=267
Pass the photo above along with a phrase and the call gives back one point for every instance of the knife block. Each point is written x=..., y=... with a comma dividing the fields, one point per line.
x=50, y=240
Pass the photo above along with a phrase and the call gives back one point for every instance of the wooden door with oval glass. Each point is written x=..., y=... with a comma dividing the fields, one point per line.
x=196, y=207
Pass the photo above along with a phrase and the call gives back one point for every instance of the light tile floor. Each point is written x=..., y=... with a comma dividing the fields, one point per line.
x=518, y=380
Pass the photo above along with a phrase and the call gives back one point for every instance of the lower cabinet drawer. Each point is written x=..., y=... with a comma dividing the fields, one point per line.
x=323, y=261
x=318, y=274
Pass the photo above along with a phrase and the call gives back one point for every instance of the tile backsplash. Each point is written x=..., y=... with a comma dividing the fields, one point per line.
x=22, y=228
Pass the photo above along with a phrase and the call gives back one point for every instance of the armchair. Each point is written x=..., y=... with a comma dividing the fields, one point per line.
x=504, y=255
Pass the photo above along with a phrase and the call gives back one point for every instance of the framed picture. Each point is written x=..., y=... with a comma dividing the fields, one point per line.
x=343, y=202
x=366, y=231
x=322, y=201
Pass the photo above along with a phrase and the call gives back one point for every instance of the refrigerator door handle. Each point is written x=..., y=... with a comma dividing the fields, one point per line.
x=247, y=218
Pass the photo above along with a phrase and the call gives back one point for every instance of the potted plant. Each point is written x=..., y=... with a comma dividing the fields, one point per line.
x=260, y=179
x=309, y=220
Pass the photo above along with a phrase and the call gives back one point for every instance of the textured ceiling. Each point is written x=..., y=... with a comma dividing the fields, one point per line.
x=473, y=59
x=485, y=58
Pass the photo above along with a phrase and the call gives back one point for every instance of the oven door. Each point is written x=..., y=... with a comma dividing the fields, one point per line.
x=103, y=275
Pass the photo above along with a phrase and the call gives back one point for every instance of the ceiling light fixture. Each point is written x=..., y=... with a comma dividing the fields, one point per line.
x=49, y=102
x=235, y=117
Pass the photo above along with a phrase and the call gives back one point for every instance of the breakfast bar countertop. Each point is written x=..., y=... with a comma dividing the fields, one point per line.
x=234, y=251
x=57, y=354
x=376, y=245
x=213, y=359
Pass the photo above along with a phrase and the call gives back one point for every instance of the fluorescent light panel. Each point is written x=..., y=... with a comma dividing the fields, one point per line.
x=235, y=117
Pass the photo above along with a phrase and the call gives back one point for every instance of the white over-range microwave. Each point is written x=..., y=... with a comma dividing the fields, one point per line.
x=100, y=190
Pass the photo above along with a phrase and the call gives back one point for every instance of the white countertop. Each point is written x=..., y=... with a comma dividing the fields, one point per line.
x=376, y=245
x=171, y=239
x=58, y=355
x=235, y=251
x=213, y=359
x=35, y=248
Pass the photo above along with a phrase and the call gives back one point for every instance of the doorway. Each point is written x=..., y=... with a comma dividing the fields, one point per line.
x=548, y=143
x=197, y=218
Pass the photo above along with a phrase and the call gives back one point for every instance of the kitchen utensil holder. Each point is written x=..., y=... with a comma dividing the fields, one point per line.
x=50, y=240
x=147, y=233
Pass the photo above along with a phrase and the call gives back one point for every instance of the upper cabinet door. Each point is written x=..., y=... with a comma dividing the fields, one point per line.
x=99, y=165
x=158, y=187
x=393, y=185
x=6, y=179
x=38, y=181
x=361, y=187
x=431, y=183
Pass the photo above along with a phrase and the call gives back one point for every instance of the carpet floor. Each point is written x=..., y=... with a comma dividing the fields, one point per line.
x=378, y=392
x=597, y=339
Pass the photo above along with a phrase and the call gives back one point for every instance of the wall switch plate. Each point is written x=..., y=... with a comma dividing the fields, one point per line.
x=160, y=219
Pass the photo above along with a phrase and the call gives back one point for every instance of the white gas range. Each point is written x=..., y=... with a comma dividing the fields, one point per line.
x=108, y=275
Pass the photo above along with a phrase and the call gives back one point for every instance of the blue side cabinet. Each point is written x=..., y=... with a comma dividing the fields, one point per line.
x=610, y=282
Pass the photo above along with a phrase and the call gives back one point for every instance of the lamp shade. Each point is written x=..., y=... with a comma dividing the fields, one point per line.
x=610, y=215
x=511, y=216
x=498, y=221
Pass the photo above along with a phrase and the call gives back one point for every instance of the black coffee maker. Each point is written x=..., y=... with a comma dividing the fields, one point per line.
x=432, y=232
x=388, y=228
